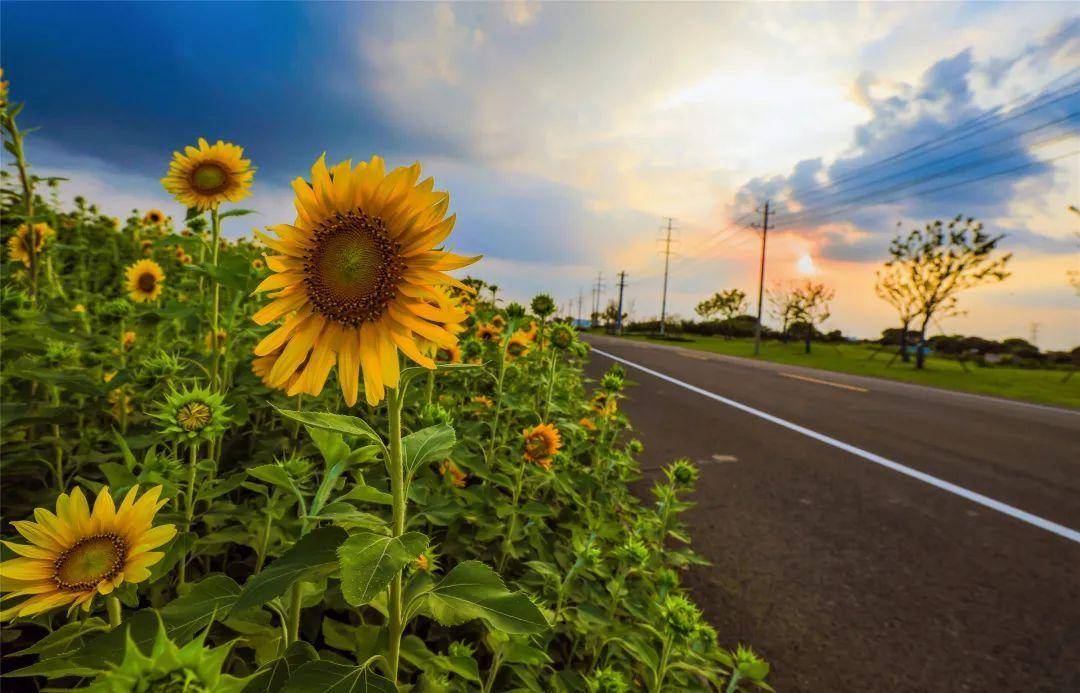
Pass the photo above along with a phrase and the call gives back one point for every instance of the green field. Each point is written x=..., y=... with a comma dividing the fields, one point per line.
x=1030, y=385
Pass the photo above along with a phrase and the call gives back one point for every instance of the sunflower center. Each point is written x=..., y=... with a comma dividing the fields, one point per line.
x=209, y=178
x=193, y=416
x=353, y=268
x=146, y=282
x=89, y=561
x=537, y=447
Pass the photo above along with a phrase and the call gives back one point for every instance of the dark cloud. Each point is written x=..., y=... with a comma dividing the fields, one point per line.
x=872, y=185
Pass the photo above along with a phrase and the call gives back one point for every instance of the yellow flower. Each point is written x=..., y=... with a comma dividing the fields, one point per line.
x=129, y=340
x=450, y=354
x=542, y=442
x=222, y=337
x=77, y=554
x=518, y=345
x=19, y=247
x=257, y=264
x=482, y=401
x=79, y=308
x=144, y=281
x=205, y=176
x=453, y=473
x=487, y=333
x=154, y=217
x=587, y=424
x=357, y=278
x=422, y=563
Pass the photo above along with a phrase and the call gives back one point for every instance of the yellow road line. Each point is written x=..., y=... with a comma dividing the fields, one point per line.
x=824, y=382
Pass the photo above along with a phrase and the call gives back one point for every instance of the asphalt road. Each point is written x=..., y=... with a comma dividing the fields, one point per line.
x=850, y=575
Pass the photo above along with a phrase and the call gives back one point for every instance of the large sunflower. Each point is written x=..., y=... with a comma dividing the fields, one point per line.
x=205, y=176
x=357, y=277
x=144, y=281
x=76, y=554
x=542, y=442
x=19, y=244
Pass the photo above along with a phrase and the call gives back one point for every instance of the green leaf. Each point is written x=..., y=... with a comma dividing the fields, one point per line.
x=473, y=590
x=330, y=445
x=236, y=213
x=328, y=677
x=210, y=598
x=276, y=475
x=426, y=445
x=366, y=494
x=272, y=677
x=312, y=554
x=370, y=561
x=66, y=638
x=349, y=425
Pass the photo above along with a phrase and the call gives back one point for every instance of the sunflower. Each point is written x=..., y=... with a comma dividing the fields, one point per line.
x=487, y=332
x=482, y=400
x=154, y=217
x=193, y=415
x=452, y=473
x=450, y=354
x=257, y=264
x=359, y=277
x=518, y=345
x=19, y=246
x=76, y=554
x=205, y=176
x=498, y=322
x=129, y=340
x=144, y=281
x=562, y=335
x=542, y=442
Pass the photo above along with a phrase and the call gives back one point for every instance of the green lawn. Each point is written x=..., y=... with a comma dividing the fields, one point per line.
x=1041, y=386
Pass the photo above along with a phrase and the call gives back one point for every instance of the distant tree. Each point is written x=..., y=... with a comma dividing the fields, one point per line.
x=941, y=260
x=811, y=307
x=783, y=306
x=726, y=304
x=894, y=286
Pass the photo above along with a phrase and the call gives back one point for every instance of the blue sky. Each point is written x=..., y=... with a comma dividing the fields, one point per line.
x=566, y=132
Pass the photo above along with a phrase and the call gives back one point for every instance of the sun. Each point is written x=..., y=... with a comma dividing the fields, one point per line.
x=805, y=265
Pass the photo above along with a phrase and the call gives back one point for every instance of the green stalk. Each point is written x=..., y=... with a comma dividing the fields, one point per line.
x=215, y=232
x=499, y=392
x=113, y=605
x=16, y=142
x=661, y=672
x=189, y=504
x=551, y=384
x=430, y=385
x=396, y=468
x=513, y=515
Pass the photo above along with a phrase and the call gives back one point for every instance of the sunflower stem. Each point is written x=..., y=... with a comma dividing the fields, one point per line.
x=113, y=605
x=395, y=466
x=189, y=504
x=215, y=232
x=498, y=394
x=512, y=525
x=550, y=385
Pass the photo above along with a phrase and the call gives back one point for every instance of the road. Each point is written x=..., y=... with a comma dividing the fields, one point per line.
x=852, y=526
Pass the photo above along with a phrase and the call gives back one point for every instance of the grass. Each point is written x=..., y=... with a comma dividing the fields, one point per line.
x=1042, y=386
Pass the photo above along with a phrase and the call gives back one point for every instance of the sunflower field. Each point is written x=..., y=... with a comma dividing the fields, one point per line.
x=315, y=460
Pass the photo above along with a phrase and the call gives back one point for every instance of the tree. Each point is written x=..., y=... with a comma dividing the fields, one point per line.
x=611, y=315
x=811, y=306
x=783, y=306
x=940, y=261
x=894, y=287
x=726, y=304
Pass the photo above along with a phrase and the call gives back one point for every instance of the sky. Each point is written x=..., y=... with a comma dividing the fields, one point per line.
x=568, y=133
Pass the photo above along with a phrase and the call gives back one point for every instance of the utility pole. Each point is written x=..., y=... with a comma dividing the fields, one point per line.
x=618, y=315
x=580, y=298
x=761, y=278
x=596, y=296
x=667, y=258
x=1035, y=334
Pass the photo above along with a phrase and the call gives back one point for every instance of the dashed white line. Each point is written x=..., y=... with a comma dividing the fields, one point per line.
x=986, y=501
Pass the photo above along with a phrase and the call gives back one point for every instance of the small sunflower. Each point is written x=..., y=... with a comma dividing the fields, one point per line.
x=205, y=176
x=562, y=335
x=482, y=400
x=359, y=277
x=542, y=442
x=452, y=473
x=257, y=264
x=154, y=217
x=19, y=244
x=193, y=415
x=76, y=554
x=129, y=340
x=449, y=354
x=79, y=308
x=518, y=345
x=487, y=332
x=144, y=281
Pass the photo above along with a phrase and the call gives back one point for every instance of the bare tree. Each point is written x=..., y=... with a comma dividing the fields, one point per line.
x=941, y=260
x=783, y=306
x=811, y=306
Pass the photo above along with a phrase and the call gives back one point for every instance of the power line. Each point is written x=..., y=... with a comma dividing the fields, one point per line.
x=920, y=193
x=812, y=211
x=951, y=134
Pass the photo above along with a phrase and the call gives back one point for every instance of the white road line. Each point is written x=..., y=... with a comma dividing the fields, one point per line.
x=830, y=383
x=986, y=501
